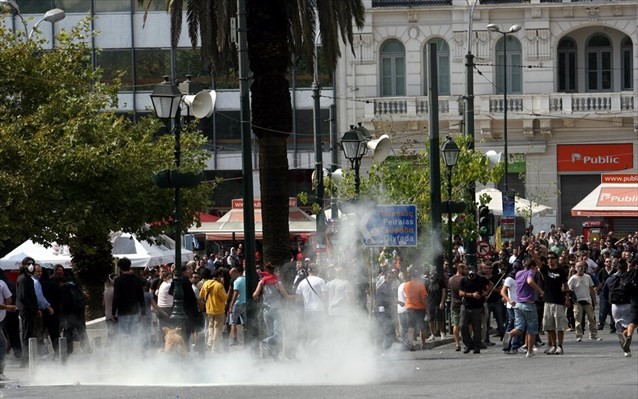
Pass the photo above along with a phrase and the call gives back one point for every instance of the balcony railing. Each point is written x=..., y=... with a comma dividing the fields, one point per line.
x=623, y=104
x=410, y=3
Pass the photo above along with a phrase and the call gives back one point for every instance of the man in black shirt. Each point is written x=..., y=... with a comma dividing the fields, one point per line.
x=128, y=299
x=473, y=290
x=554, y=319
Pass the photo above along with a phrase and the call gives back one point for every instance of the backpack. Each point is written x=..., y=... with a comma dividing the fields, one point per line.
x=619, y=289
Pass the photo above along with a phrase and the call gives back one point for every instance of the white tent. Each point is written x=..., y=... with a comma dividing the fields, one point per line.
x=144, y=254
x=55, y=254
x=141, y=253
x=521, y=205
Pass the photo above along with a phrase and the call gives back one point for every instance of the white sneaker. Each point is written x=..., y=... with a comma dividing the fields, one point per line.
x=595, y=339
x=530, y=354
x=430, y=338
x=579, y=339
x=443, y=336
x=627, y=354
x=559, y=351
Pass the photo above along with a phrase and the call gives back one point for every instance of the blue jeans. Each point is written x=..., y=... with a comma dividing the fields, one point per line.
x=526, y=318
x=272, y=320
x=517, y=341
x=128, y=324
x=604, y=310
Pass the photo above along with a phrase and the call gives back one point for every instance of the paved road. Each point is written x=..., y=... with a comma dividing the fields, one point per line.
x=586, y=370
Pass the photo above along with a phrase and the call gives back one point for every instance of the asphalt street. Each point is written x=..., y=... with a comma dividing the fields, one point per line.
x=588, y=369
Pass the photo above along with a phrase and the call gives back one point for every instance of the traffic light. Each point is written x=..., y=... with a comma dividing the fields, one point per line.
x=483, y=220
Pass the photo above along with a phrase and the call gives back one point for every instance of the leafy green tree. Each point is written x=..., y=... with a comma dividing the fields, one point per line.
x=72, y=170
x=276, y=31
x=405, y=179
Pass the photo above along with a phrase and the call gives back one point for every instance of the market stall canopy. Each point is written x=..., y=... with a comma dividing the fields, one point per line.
x=141, y=253
x=522, y=206
x=616, y=196
x=231, y=225
x=55, y=254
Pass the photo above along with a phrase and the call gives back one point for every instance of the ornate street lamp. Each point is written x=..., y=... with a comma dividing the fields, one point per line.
x=166, y=100
x=354, y=147
x=450, y=152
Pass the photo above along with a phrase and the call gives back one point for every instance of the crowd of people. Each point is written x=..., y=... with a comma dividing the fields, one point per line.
x=44, y=304
x=548, y=284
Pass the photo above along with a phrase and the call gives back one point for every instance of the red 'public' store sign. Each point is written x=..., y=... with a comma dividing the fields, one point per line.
x=594, y=157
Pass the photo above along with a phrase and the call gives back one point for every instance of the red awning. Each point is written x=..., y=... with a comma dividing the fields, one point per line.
x=609, y=200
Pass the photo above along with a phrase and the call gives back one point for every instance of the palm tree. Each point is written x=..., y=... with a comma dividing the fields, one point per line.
x=277, y=29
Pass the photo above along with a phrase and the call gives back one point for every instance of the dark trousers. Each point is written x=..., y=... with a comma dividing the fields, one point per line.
x=604, y=310
x=51, y=323
x=28, y=331
x=12, y=332
x=471, y=327
x=498, y=310
x=385, y=330
x=74, y=324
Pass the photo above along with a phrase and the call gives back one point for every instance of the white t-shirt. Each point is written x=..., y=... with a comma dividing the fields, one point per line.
x=164, y=300
x=312, y=300
x=581, y=286
x=401, y=298
x=5, y=293
x=337, y=296
x=510, y=283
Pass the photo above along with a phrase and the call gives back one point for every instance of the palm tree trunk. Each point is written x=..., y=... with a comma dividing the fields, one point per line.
x=271, y=119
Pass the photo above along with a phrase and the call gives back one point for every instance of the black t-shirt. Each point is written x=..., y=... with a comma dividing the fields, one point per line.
x=469, y=285
x=553, y=280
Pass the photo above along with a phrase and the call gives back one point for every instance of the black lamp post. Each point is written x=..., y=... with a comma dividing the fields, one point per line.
x=354, y=147
x=166, y=100
x=450, y=152
x=512, y=29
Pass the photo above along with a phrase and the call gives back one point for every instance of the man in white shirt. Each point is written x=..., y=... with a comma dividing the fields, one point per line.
x=313, y=290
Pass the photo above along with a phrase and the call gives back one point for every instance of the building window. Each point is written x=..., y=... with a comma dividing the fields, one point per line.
x=115, y=62
x=150, y=66
x=443, y=64
x=598, y=58
x=514, y=73
x=113, y=5
x=392, y=68
x=567, y=65
x=69, y=6
x=627, y=64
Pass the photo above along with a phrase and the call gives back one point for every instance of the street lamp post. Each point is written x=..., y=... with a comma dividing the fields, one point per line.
x=512, y=29
x=166, y=99
x=450, y=152
x=54, y=15
x=354, y=147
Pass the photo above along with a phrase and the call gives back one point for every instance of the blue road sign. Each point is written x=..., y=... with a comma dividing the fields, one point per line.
x=389, y=225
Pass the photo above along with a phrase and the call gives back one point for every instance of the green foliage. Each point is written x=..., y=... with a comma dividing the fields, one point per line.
x=69, y=165
x=405, y=179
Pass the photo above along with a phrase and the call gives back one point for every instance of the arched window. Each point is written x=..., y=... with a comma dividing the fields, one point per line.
x=392, y=68
x=627, y=64
x=567, y=65
x=443, y=65
x=599, y=66
x=514, y=73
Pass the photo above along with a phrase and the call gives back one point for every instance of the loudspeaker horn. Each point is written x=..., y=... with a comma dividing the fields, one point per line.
x=380, y=148
x=201, y=104
x=493, y=157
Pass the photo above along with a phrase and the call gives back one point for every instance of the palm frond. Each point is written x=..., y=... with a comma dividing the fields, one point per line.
x=192, y=16
x=175, y=9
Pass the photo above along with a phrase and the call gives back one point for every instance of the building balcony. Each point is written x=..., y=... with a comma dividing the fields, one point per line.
x=519, y=106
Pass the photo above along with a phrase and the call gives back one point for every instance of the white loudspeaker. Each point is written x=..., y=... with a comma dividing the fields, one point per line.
x=337, y=176
x=380, y=148
x=493, y=157
x=201, y=104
